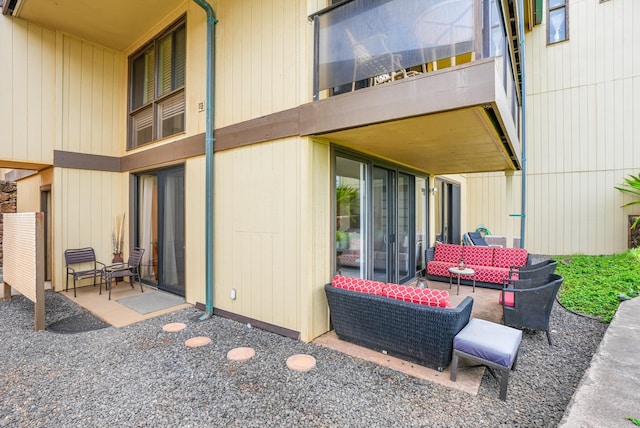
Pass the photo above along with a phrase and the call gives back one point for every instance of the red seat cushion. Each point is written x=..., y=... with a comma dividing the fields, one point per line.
x=508, y=299
x=423, y=296
x=450, y=253
x=358, y=284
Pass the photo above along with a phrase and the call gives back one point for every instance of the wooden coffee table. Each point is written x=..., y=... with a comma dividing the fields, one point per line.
x=454, y=270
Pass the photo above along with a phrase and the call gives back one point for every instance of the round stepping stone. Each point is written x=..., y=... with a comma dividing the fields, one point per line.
x=195, y=342
x=174, y=326
x=301, y=362
x=241, y=354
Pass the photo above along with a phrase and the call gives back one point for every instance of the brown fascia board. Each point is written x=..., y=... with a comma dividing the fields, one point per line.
x=85, y=161
x=282, y=124
x=177, y=150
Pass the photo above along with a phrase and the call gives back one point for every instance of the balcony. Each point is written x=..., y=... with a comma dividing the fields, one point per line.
x=430, y=84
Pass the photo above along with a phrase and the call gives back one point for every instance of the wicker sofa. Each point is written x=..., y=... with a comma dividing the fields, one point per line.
x=491, y=264
x=416, y=332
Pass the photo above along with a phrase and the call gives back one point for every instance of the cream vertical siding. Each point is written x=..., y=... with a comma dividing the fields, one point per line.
x=583, y=97
x=319, y=257
x=28, y=191
x=27, y=113
x=85, y=205
x=263, y=58
x=271, y=233
x=93, y=95
x=489, y=202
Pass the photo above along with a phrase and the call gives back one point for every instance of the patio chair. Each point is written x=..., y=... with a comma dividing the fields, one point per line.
x=374, y=61
x=546, y=267
x=531, y=303
x=81, y=263
x=474, y=238
x=130, y=269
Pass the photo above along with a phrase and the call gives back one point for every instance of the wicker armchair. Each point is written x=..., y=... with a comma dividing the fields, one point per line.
x=531, y=302
x=546, y=267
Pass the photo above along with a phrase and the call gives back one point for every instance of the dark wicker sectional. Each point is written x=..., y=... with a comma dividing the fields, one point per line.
x=423, y=334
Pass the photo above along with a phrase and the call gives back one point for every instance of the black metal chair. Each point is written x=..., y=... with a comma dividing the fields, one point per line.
x=543, y=268
x=532, y=302
x=81, y=263
x=130, y=269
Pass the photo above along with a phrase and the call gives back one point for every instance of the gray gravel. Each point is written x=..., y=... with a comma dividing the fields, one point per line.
x=140, y=376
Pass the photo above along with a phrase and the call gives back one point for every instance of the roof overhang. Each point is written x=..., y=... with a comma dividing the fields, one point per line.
x=6, y=164
x=115, y=24
x=456, y=120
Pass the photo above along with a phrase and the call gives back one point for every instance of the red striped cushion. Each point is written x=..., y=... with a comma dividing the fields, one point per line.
x=423, y=296
x=358, y=284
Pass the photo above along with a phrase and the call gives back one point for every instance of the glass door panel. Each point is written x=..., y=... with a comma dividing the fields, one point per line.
x=382, y=225
x=161, y=228
x=421, y=201
x=148, y=226
x=405, y=239
x=350, y=245
x=171, y=250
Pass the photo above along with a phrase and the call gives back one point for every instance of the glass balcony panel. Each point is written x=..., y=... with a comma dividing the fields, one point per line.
x=364, y=39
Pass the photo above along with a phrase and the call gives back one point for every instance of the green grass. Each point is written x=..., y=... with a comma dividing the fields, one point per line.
x=595, y=285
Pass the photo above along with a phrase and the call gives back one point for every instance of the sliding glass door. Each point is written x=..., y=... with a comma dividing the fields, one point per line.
x=447, y=212
x=160, y=228
x=380, y=221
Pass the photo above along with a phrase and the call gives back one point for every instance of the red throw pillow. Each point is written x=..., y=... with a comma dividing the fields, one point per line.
x=358, y=284
x=423, y=296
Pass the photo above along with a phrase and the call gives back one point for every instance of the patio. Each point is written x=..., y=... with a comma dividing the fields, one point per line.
x=485, y=306
x=113, y=311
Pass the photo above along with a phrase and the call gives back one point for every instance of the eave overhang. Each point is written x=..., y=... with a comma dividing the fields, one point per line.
x=456, y=120
x=115, y=24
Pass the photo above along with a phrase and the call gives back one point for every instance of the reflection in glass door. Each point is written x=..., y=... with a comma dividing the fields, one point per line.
x=381, y=221
x=350, y=221
x=406, y=226
x=383, y=236
x=161, y=228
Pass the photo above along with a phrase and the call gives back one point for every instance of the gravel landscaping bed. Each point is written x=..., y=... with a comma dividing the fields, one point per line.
x=140, y=376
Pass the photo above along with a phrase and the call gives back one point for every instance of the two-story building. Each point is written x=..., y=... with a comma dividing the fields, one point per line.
x=255, y=148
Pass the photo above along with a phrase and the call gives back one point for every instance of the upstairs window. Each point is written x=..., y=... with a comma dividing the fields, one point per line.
x=156, y=88
x=557, y=19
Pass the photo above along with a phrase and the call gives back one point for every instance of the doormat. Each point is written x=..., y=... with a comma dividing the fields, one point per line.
x=148, y=302
x=78, y=323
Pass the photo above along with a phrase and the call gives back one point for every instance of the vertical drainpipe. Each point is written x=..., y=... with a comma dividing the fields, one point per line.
x=209, y=148
x=523, y=93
